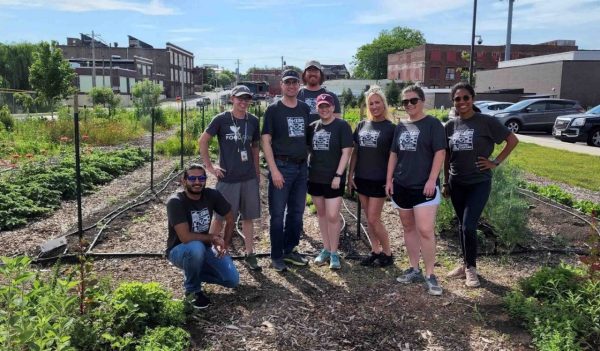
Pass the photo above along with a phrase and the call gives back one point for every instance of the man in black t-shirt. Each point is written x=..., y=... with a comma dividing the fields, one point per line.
x=191, y=245
x=313, y=79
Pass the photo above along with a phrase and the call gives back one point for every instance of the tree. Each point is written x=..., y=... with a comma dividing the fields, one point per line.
x=392, y=93
x=347, y=98
x=15, y=61
x=105, y=96
x=25, y=100
x=226, y=78
x=370, y=60
x=145, y=96
x=50, y=75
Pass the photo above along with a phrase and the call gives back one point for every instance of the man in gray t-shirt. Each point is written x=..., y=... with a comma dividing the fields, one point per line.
x=238, y=171
x=313, y=79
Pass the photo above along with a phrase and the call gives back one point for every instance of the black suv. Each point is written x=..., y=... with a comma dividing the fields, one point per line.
x=579, y=127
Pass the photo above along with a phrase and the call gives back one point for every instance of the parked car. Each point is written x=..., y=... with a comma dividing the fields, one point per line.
x=494, y=107
x=579, y=127
x=478, y=103
x=203, y=101
x=536, y=114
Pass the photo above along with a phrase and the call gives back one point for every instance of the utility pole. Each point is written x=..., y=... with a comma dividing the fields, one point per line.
x=508, y=30
x=237, y=72
x=472, y=43
x=93, y=62
x=282, y=63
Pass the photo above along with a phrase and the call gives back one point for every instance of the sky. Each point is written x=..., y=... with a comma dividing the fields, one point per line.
x=259, y=32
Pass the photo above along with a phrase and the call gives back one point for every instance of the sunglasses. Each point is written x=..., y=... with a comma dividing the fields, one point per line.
x=291, y=82
x=192, y=179
x=244, y=98
x=464, y=98
x=412, y=101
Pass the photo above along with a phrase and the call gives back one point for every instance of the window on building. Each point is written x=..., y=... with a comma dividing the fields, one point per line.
x=435, y=55
x=451, y=56
x=434, y=73
x=139, y=68
x=450, y=72
x=172, y=74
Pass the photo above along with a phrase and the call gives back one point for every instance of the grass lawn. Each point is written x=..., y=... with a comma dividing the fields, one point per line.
x=563, y=166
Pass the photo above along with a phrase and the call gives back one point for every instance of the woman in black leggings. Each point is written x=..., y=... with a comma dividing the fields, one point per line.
x=468, y=171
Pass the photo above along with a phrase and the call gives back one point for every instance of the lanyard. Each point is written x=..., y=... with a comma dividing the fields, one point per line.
x=237, y=131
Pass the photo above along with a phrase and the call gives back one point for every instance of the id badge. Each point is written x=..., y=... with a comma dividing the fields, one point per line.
x=244, y=155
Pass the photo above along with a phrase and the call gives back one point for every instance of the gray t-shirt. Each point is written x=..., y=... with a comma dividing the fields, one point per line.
x=310, y=98
x=197, y=213
x=326, y=144
x=415, y=144
x=373, y=140
x=235, y=138
x=287, y=127
x=467, y=140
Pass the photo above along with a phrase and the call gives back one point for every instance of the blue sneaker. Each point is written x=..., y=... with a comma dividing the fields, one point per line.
x=433, y=287
x=322, y=258
x=334, y=261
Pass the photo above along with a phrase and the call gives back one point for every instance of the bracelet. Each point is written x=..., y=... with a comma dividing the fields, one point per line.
x=337, y=175
x=496, y=162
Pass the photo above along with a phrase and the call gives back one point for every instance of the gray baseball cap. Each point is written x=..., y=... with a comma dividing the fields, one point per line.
x=290, y=74
x=314, y=64
x=240, y=90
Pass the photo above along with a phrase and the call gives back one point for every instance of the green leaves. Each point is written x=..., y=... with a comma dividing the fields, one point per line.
x=50, y=75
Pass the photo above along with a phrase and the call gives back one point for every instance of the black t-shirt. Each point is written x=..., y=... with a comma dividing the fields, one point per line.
x=326, y=144
x=373, y=140
x=415, y=144
x=310, y=98
x=235, y=137
x=197, y=213
x=287, y=127
x=467, y=140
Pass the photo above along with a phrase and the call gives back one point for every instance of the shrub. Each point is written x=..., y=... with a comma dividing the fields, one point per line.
x=445, y=216
x=557, y=194
x=165, y=339
x=440, y=114
x=172, y=146
x=6, y=118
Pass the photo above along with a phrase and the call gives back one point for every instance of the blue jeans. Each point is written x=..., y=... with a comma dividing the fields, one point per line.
x=286, y=207
x=200, y=264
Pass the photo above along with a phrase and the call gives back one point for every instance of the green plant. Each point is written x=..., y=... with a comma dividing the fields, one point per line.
x=145, y=96
x=440, y=114
x=164, y=339
x=172, y=146
x=555, y=193
x=445, y=216
x=6, y=119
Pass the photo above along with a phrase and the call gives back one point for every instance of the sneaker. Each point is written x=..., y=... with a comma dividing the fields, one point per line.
x=199, y=300
x=278, y=265
x=252, y=262
x=322, y=258
x=457, y=272
x=384, y=260
x=295, y=258
x=370, y=260
x=334, y=261
x=433, y=287
x=472, y=280
x=410, y=275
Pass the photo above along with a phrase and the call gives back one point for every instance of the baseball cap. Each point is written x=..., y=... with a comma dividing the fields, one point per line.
x=289, y=74
x=240, y=90
x=325, y=99
x=314, y=64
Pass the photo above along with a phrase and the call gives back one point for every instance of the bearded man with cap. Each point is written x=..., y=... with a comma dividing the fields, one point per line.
x=284, y=145
x=313, y=79
x=238, y=172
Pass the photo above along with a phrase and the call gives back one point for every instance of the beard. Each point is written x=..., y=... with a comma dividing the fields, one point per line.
x=196, y=190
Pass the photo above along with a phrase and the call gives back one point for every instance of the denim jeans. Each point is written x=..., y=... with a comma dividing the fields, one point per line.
x=286, y=207
x=469, y=201
x=200, y=265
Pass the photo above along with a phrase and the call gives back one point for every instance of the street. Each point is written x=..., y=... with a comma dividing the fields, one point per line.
x=548, y=140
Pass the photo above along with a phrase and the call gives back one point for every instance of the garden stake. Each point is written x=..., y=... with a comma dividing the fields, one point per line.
x=152, y=150
x=181, y=138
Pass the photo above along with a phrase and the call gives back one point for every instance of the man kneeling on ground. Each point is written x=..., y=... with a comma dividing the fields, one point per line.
x=191, y=245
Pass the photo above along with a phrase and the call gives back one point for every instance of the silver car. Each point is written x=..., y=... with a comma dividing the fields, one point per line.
x=536, y=114
x=492, y=108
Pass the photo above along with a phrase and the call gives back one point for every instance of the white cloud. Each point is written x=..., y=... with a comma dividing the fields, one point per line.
x=190, y=30
x=393, y=10
x=267, y=4
x=152, y=7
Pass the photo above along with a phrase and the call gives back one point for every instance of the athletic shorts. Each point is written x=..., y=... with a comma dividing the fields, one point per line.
x=406, y=199
x=242, y=196
x=370, y=188
x=325, y=190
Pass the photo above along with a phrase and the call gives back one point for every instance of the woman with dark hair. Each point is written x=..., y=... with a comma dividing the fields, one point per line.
x=416, y=159
x=468, y=171
x=368, y=166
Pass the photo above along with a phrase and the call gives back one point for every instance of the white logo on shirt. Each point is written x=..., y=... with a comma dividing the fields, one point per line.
x=200, y=221
x=321, y=140
x=295, y=126
x=235, y=135
x=407, y=141
x=368, y=138
x=462, y=139
x=312, y=103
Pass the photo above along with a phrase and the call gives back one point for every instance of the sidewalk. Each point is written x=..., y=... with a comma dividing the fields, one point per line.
x=549, y=141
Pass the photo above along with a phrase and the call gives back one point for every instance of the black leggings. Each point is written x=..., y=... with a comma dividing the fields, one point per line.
x=468, y=201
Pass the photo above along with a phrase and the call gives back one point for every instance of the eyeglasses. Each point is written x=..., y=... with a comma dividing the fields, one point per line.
x=464, y=98
x=291, y=82
x=412, y=101
x=244, y=98
x=192, y=179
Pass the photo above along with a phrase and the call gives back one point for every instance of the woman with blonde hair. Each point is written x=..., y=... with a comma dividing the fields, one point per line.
x=367, y=174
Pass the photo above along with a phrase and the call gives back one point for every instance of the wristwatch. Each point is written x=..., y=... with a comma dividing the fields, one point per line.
x=496, y=162
x=337, y=175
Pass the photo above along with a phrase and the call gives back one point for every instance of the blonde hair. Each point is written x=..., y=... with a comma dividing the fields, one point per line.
x=376, y=90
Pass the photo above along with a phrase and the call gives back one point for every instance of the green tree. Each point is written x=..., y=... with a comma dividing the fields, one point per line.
x=15, y=61
x=226, y=78
x=347, y=98
x=370, y=60
x=392, y=93
x=105, y=96
x=25, y=100
x=50, y=75
x=145, y=96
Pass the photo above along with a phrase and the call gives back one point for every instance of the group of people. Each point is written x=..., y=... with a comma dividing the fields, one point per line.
x=308, y=148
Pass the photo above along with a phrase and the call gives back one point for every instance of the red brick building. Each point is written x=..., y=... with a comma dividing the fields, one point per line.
x=439, y=65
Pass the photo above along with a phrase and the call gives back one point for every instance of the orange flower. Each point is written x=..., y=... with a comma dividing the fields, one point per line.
x=29, y=155
x=64, y=139
x=16, y=156
x=85, y=137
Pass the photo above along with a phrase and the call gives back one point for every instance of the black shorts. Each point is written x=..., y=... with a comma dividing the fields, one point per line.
x=406, y=198
x=325, y=190
x=370, y=188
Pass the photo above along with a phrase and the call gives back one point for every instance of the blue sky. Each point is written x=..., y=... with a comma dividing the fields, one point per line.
x=259, y=32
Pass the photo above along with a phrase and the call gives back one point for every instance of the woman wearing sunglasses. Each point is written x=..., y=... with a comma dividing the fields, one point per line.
x=330, y=141
x=367, y=174
x=416, y=159
x=468, y=171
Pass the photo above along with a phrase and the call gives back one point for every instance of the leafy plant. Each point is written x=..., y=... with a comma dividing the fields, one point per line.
x=165, y=339
x=6, y=119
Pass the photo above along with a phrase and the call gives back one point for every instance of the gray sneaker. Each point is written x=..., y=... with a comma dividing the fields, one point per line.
x=252, y=262
x=278, y=265
x=295, y=258
x=433, y=287
x=410, y=275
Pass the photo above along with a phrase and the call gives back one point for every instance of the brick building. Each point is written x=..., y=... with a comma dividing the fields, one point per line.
x=439, y=65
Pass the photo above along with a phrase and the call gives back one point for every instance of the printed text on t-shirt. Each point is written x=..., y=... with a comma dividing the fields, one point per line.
x=321, y=140
x=407, y=141
x=295, y=126
x=462, y=139
x=368, y=138
x=200, y=221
